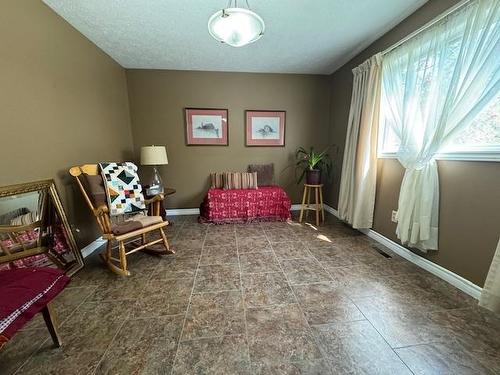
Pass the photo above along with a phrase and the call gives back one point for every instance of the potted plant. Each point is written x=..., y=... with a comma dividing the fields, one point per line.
x=312, y=164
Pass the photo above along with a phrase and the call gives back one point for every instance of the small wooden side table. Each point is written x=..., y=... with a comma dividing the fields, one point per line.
x=318, y=202
x=166, y=193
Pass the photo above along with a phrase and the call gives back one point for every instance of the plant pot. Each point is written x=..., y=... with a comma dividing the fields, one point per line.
x=313, y=177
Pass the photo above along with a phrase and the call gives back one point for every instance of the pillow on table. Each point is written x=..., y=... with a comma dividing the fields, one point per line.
x=265, y=173
x=25, y=219
x=216, y=180
x=240, y=180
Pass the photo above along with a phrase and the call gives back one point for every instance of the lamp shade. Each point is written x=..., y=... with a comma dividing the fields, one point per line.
x=154, y=155
x=236, y=26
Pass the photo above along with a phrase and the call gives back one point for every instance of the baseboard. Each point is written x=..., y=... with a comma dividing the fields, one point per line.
x=183, y=211
x=457, y=281
x=93, y=246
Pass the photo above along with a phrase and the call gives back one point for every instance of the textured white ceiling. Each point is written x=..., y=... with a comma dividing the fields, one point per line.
x=302, y=36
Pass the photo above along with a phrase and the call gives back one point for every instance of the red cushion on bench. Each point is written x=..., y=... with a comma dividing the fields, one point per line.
x=25, y=292
x=242, y=205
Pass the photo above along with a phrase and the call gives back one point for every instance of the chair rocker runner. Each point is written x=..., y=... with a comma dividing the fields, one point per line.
x=119, y=233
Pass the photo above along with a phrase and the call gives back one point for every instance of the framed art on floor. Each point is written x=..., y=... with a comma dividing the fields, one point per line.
x=206, y=127
x=265, y=128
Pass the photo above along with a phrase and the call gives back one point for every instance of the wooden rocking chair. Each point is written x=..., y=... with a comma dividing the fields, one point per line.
x=119, y=265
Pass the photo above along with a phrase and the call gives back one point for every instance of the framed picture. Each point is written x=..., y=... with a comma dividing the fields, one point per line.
x=265, y=128
x=206, y=127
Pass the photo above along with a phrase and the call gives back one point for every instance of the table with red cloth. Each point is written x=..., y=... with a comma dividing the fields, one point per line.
x=25, y=292
x=243, y=205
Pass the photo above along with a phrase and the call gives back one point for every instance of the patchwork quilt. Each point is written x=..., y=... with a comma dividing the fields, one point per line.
x=123, y=189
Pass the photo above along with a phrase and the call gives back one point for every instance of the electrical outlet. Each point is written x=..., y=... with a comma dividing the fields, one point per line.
x=394, y=216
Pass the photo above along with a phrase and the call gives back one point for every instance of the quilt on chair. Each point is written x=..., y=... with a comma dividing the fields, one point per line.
x=123, y=189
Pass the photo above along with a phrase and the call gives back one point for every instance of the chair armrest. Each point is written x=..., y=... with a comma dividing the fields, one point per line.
x=156, y=198
x=101, y=210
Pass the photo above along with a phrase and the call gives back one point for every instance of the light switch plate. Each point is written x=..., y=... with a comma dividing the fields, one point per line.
x=394, y=216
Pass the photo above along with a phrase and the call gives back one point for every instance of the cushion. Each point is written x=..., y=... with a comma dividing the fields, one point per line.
x=135, y=222
x=240, y=180
x=265, y=173
x=123, y=189
x=146, y=221
x=94, y=186
x=125, y=227
x=216, y=180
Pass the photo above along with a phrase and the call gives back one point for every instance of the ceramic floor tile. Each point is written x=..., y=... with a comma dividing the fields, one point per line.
x=19, y=349
x=83, y=330
x=400, y=325
x=258, y=262
x=312, y=367
x=63, y=305
x=218, y=238
x=50, y=361
x=280, y=235
x=220, y=355
x=214, y=314
x=472, y=328
x=272, y=347
x=357, y=348
x=261, y=310
x=278, y=319
x=253, y=244
x=304, y=271
x=263, y=289
x=332, y=257
x=165, y=297
x=176, y=268
x=219, y=255
x=217, y=277
x=326, y=303
x=143, y=346
x=185, y=244
x=290, y=249
x=245, y=232
x=441, y=359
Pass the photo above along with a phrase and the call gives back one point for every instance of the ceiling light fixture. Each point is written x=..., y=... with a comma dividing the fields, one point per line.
x=236, y=26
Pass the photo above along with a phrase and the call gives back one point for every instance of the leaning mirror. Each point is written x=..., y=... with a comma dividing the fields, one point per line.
x=34, y=230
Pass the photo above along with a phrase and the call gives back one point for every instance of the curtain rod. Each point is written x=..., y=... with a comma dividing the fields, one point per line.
x=427, y=25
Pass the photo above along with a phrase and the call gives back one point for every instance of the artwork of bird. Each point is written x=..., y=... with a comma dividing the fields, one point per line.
x=209, y=127
x=266, y=130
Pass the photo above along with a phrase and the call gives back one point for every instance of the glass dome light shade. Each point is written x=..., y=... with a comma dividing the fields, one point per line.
x=236, y=26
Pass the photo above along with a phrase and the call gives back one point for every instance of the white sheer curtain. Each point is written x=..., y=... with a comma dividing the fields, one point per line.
x=359, y=167
x=433, y=85
x=490, y=296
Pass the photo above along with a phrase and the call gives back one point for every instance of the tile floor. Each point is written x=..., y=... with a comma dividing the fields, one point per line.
x=268, y=298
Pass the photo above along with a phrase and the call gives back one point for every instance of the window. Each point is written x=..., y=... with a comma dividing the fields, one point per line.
x=420, y=72
x=480, y=140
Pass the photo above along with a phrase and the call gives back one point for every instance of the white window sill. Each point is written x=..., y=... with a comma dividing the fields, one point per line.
x=462, y=156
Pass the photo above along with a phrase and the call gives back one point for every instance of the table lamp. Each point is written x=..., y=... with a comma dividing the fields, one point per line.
x=154, y=156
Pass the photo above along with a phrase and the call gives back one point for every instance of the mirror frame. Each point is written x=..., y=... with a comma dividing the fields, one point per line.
x=50, y=187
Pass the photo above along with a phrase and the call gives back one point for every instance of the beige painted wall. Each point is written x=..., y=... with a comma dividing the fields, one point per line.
x=158, y=99
x=469, y=191
x=63, y=103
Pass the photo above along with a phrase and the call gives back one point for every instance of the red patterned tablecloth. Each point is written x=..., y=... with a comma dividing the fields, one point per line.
x=242, y=205
x=25, y=292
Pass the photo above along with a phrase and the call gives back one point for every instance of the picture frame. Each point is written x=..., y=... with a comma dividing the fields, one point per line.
x=265, y=128
x=206, y=127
